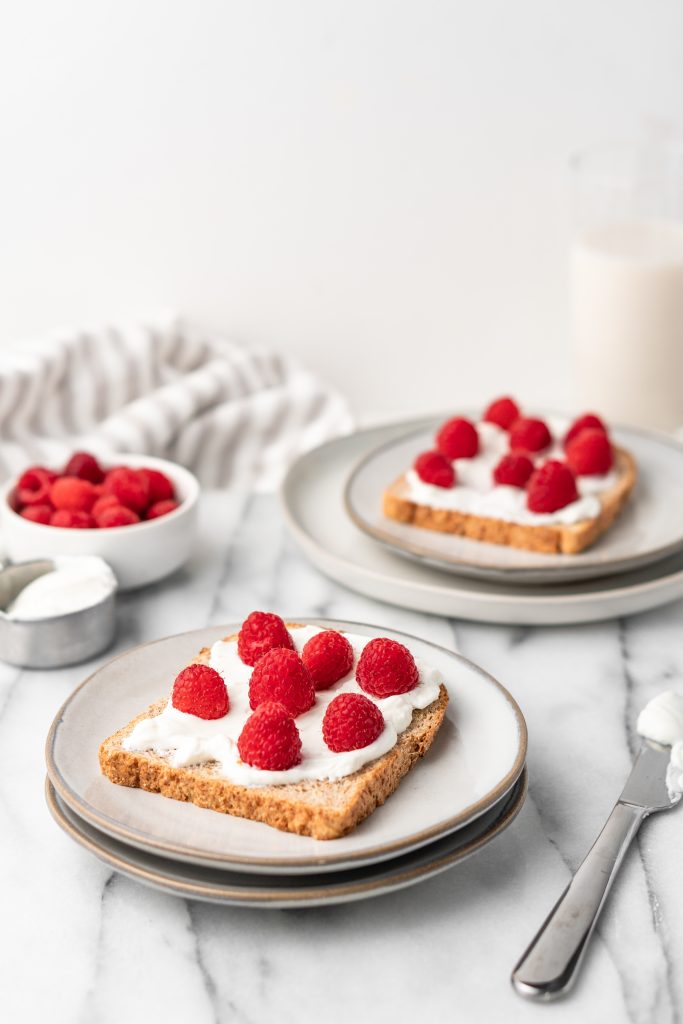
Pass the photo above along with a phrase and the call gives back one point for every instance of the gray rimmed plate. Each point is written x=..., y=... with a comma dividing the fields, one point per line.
x=277, y=891
x=477, y=757
x=649, y=529
x=312, y=504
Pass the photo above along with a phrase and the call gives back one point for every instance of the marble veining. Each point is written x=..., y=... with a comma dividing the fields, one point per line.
x=80, y=945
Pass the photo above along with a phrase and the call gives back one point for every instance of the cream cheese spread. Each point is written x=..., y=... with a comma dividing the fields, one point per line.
x=675, y=776
x=475, y=492
x=662, y=721
x=187, y=740
x=74, y=584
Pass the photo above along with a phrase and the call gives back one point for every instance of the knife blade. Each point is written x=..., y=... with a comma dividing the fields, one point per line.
x=550, y=965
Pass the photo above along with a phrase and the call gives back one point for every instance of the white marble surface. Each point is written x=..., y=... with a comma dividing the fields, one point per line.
x=80, y=945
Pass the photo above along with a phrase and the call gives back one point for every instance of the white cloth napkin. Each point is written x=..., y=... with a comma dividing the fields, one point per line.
x=230, y=414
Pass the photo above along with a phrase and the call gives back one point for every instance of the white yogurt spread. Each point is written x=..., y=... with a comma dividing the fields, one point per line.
x=475, y=492
x=74, y=584
x=186, y=739
x=675, y=774
x=662, y=721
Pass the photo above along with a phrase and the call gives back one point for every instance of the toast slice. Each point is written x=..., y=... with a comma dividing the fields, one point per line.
x=319, y=808
x=553, y=538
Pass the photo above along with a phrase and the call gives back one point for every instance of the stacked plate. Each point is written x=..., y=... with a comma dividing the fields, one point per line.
x=332, y=499
x=467, y=790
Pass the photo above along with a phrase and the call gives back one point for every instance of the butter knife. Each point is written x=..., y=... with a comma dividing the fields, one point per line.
x=550, y=965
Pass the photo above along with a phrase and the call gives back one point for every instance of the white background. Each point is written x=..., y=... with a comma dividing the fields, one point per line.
x=379, y=187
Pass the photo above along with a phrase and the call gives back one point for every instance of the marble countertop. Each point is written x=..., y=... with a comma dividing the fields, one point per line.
x=81, y=945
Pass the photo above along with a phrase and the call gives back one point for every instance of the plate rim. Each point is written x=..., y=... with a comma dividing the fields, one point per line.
x=318, y=863
x=594, y=569
x=314, y=896
x=307, y=542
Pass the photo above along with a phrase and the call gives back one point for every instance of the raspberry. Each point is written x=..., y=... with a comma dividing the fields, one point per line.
x=159, y=487
x=386, y=667
x=458, y=439
x=261, y=632
x=503, y=412
x=116, y=515
x=281, y=675
x=270, y=739
x=552, y=486
x=129, y=486
x=85, y=466
x=33, y=486
x=434, y=468
x=590, y=453
x=351, y=721
x=103, y=502
x=68, y=492
x=161, y=508
x=589, y=421
x=514, y=470
x=328, y=656
x=529, y=435
x=72, y=520
x=200, y=690
x=37, y=513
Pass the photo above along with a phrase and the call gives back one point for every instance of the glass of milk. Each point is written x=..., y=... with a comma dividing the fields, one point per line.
x=627, y=282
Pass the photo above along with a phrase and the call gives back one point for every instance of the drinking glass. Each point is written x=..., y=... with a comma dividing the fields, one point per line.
x=627, y=282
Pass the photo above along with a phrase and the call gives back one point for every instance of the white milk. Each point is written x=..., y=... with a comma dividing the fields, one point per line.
x=628, y=322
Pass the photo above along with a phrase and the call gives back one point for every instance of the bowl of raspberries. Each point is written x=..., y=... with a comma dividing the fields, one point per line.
x=137, y=512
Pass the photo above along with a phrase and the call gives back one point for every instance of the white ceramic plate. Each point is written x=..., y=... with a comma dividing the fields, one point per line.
x=312, y=496
x=278, y=891
x=476, y=758
x=650, y=527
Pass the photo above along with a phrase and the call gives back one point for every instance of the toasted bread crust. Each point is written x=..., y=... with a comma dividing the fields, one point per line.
x=549, y=539
x=321, y=809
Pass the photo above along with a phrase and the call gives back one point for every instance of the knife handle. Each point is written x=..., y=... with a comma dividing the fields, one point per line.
x=550, y=964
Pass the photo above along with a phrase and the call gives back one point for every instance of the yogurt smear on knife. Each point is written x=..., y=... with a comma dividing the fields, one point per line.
x=662, y=722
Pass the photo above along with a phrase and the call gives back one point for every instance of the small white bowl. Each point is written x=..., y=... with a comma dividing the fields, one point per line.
x=138, y=554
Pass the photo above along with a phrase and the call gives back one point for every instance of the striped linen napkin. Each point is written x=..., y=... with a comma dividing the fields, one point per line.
x=234, y=416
